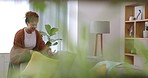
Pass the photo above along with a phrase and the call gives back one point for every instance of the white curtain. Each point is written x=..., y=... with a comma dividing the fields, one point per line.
x=55, y=14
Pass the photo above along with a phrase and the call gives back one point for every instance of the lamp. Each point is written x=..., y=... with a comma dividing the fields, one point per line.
x=99, y=27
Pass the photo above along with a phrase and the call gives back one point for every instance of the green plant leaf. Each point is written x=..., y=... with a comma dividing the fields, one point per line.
x=48, y=28
x=53, y=31
x=55, y=43
x=50, y=32
x=53, y=40
x=42, y=33
x=146, y=27
x=59, y=39
x=48, y=43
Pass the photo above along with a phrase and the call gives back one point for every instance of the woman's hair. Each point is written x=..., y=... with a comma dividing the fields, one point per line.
x=31, y=16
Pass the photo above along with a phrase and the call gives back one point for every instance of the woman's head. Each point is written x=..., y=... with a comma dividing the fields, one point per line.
x=31, y=17
x=31, y=20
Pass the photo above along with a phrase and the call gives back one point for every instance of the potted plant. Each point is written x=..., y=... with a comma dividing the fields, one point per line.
x=145, y=32
x=133, y=51
x=50, y=31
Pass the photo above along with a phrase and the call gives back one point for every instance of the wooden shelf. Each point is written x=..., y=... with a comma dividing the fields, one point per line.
x=138, y=38
x=144, y=20
x=129, y=54
x=133, y=29
x=129, y=21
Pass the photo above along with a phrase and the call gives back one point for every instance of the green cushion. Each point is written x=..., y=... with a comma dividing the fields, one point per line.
x=40, y=66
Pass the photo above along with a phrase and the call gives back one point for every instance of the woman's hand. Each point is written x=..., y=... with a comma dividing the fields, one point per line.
x=31, y=51
x=50, y=53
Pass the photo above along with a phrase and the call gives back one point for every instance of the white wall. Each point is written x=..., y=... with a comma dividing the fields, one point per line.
x=103, y=11
x=4, y=62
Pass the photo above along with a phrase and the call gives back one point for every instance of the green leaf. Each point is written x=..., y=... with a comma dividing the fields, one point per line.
x=53, y=31
x=48, y=43
x=53, y=40
x=42, y=33
x=59, y=39
x=48, y=28
x=55, y=43
x=50, y=32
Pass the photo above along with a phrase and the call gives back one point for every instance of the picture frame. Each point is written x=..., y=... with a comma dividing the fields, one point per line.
x=139, y=12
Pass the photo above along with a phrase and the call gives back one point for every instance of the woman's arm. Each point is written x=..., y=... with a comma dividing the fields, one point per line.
x=47, y=51
x=41, y=46
x=19, y=55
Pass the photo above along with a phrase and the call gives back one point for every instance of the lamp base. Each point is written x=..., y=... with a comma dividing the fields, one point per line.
x=96, y=44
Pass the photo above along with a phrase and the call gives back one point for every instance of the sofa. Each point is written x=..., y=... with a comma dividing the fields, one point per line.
x=69, y=65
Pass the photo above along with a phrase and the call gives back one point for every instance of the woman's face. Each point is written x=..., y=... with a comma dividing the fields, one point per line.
x=32, y=25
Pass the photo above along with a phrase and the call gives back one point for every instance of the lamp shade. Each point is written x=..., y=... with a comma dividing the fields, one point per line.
x=100, y=27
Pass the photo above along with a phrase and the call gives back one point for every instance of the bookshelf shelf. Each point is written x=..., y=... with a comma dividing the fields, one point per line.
x=133, y=28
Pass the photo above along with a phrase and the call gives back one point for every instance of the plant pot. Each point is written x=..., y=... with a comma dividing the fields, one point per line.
x=145, y=34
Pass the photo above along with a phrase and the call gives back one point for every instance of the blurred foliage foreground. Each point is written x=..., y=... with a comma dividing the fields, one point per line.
x=72, y=65
x=68, y=64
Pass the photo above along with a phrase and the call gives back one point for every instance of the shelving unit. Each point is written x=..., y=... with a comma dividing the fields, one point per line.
x=134, y=30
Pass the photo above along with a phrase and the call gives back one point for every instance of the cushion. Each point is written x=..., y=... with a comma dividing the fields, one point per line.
x=101, y=69
x=40, y=66
x=93, y=60
x=127, y=69
x=117, y=70
x=104, y=67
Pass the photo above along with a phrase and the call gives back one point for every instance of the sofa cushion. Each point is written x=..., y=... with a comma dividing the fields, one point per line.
x=40, y=66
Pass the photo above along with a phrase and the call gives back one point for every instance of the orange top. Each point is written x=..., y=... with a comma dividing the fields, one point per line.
x=18, y=52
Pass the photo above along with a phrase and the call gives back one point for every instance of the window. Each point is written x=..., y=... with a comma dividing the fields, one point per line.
x=12, y=18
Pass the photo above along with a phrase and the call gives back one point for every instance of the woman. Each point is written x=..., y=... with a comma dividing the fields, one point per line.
x=26, y=40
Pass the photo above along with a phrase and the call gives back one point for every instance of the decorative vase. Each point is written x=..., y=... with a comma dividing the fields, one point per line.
x=145, y=34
